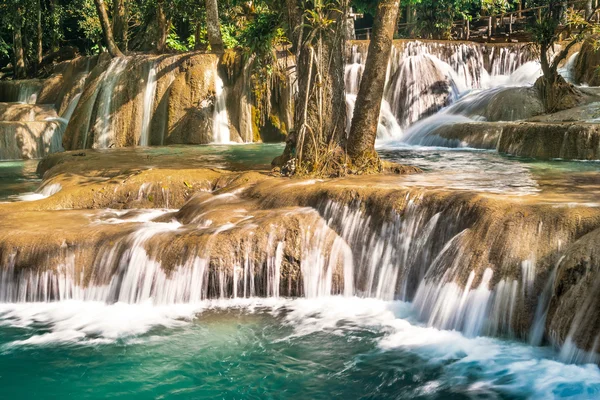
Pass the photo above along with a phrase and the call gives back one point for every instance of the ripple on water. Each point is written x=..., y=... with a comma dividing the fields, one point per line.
x=303, y=348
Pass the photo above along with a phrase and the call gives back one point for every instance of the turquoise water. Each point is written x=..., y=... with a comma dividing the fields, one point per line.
x=18, y=177
x=344, y=348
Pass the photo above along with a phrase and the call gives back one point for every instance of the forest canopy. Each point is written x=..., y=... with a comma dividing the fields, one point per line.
x=45, y=26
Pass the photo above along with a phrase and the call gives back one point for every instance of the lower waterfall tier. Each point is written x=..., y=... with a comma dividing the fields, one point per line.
x=481, y=263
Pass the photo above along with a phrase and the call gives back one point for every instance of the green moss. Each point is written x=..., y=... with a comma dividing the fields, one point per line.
x=256, y=137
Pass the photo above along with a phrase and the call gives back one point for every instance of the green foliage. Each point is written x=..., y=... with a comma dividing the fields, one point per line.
x=84, y=12
x=229, y=32
x=435, y=17
x=174, y=42
x=492, y=7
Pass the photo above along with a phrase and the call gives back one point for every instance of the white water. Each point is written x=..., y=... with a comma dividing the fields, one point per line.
x=469, y=107
x=42, y=193
x=28, y=92
x=103, y=125
x=424, y=77
x=221, y=133
x=149, y=95
x=510, y=367
x=68, y=113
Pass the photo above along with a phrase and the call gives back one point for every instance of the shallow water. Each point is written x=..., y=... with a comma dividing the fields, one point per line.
x=294, y=349
x=18, y=177
x=460, y=168
x=488, y=171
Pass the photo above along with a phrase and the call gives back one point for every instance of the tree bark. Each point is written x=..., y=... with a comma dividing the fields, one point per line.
x=293, y=16
x=214, y=27
x=318, y=144
x=361, y=142
x=113, y=49
x=54, y=45
x=39, y=49
x=120, y=23
x=19, y=69
x=162, y=27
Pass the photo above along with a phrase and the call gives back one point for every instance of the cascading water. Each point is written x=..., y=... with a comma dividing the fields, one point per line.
x=28, y=92
x=478, y=105
x=149, y=95
x=388, y=127
x=424, y=77
x=221, y=133
x=103, y=125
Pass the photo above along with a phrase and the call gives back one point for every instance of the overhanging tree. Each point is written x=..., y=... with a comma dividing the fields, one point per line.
x=557, y=21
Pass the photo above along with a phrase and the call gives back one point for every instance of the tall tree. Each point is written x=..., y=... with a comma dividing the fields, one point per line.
x=39, y=42
x=113, y=49
x=361, y=142
x=54, y=26
x=213, y=26
x=318, y=145
x=120, y=22
x=19, y=55
x=589, y=7
x=162, y=27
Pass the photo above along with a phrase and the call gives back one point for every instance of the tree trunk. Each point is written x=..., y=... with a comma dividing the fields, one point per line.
x=361, y=142
x=55, y=25
x=113, y=49
x=213, y=26
x=320, y=112
x=162, y=27
x=39, y=49
x=19, y=70
x=556, y=93
x=120, y=23
x=589, y=8
x=293, y=16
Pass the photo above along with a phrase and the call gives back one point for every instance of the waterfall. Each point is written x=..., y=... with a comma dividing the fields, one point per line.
x=103, y=125
x=388, y=127
x=149, y=95
x=221, y=133
x=567, y=70
x=227, y=246
x=425, y=77
x=71, y=107
x=28, y=91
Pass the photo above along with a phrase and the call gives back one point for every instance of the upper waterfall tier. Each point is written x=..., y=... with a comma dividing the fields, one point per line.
x=425, y=76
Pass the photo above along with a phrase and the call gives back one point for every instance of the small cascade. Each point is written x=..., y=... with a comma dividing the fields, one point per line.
x=42, y=193
x=419, y=86
x=388, y=127
x=103, y=125
x=71, y=108
x=502, y=101
x=221, y=133
x=149, y=95
x=568, y=69
x=28, y=91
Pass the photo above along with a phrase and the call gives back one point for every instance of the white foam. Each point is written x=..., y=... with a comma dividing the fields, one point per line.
x=482, y=365
x=41, y=194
